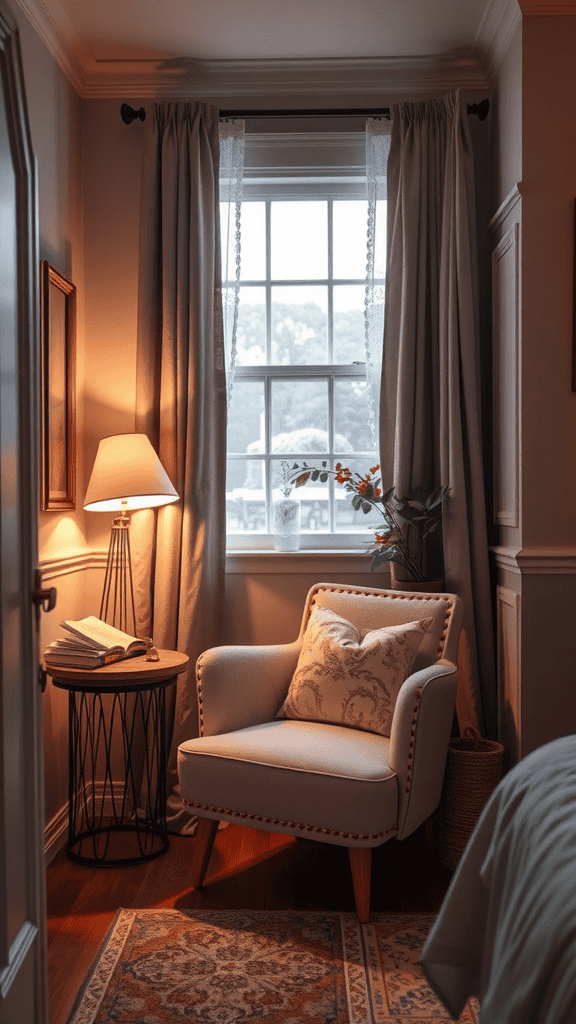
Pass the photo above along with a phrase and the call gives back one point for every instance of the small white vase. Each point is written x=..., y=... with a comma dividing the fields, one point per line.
x=287, y=524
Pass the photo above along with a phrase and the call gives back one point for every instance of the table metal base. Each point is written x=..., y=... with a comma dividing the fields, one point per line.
x=117, y=782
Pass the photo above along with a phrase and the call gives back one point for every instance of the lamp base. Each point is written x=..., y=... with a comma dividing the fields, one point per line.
x=117, y=605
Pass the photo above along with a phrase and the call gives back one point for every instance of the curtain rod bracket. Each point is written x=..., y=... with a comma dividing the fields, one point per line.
x=128, y=114
x=480, y=109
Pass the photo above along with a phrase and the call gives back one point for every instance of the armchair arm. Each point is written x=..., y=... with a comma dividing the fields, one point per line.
x=419, y=737
x=242, y=686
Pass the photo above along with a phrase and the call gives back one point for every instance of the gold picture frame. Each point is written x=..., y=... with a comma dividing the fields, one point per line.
x=58, y=440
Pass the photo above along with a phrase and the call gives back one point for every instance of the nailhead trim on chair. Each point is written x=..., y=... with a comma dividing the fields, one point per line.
x=199, y=692
x=339, y=590
x=291, y=824
x=397, y=596
x=413, y=725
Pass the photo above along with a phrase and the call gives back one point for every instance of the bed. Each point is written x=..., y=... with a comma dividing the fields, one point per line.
x=506, y=930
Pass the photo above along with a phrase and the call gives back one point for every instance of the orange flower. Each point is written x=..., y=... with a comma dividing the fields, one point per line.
x=377, y=492
x=362, y=486
x=381, y=538
x=342, y=473
x=374, y=469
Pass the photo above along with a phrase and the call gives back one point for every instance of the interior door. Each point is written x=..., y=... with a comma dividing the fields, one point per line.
x=23, y=998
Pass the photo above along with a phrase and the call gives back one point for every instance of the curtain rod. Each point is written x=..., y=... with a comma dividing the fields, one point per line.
x=129, y=114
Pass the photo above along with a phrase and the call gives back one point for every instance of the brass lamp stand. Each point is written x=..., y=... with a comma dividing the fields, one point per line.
x=118, y=592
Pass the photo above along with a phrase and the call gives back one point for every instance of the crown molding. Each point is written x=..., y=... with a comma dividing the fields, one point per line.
x=495, y=34
x=53, y=26
x=260, y=78
x=265, y=78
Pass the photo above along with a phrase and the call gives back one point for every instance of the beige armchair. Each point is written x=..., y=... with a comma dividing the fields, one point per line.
x=328, y=782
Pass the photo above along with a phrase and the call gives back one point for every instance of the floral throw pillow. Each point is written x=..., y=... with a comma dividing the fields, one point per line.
x=349, y=676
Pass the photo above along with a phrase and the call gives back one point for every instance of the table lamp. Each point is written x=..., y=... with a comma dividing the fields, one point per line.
x=127, y=475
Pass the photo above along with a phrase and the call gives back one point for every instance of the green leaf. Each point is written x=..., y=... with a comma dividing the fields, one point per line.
x=356, y=502
x=437, y=496
x=323, y=477
x=366, y=507
x=315, y=474
x=324, y=464
x=380, y=558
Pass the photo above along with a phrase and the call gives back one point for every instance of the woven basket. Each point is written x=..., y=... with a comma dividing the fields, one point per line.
x=474, y=768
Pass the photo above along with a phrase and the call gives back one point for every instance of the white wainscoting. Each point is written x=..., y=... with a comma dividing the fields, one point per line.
x=506, y=376
x=62, y=565
x=535, y=561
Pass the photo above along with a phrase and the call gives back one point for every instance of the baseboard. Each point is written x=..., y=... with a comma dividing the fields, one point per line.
x=56, y=831
x=55, y=834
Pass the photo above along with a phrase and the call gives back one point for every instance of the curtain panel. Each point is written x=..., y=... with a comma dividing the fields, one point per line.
x=430, y=419
x=181, y=404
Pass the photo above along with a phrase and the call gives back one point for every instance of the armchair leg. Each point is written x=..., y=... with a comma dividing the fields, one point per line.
x=360, y=864
x=206, y=829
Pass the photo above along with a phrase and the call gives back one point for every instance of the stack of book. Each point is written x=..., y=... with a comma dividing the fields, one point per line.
x=90, y=643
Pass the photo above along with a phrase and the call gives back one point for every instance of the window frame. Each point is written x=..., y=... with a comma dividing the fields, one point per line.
x=272, y=180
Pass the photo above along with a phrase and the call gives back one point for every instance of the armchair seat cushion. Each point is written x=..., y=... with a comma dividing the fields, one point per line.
x=331, y=782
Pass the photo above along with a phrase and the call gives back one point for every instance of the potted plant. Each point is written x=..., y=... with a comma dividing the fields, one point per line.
x=409, y=538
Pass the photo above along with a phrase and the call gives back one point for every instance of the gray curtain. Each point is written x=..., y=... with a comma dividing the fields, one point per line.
x=181, y=403
x=430, y=418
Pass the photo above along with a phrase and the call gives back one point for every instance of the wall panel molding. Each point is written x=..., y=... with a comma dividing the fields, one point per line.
x=506, y=365
x=536, y=561
x=505, y=208
x=62, y=565
x=508, y=654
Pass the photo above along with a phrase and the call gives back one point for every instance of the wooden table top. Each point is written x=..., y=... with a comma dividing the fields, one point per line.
x=136, y=671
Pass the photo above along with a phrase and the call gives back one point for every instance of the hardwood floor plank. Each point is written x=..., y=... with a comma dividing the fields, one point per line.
x=249, y=868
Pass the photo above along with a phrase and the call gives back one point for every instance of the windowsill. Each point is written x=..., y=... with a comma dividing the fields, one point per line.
x=309, y=560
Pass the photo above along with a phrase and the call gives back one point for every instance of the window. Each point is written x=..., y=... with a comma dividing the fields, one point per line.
x=300, y=390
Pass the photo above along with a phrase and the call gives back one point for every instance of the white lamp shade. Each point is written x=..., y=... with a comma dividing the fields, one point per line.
x=127, y=469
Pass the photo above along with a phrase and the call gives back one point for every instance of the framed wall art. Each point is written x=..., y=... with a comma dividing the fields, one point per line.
x=58, y=441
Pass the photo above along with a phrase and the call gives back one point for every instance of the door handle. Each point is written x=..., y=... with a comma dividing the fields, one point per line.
x=43, y=597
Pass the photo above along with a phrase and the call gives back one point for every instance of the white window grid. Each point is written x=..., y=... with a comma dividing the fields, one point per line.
x=310, y=189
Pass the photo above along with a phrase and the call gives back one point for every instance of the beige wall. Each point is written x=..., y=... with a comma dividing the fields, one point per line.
x=548, y=191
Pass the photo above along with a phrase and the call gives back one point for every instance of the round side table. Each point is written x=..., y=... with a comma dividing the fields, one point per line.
x=117, y=758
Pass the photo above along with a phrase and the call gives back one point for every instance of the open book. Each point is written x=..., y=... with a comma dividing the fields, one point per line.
x=92, y=643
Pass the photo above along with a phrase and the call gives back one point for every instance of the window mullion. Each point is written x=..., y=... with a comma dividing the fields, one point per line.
x=268, y=284
x=267, y=449
x=330, y=284
x=331, y=498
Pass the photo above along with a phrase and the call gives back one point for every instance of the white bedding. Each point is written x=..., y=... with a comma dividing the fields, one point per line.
x=506, y=931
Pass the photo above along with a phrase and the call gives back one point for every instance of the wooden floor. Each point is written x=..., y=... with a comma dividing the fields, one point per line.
x=249, y=868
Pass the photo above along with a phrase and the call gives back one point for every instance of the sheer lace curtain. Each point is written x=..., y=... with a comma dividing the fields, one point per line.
x=232, y=146
x=377, y=150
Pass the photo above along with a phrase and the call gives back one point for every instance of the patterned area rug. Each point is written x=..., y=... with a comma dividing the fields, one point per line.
x=228, y=967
